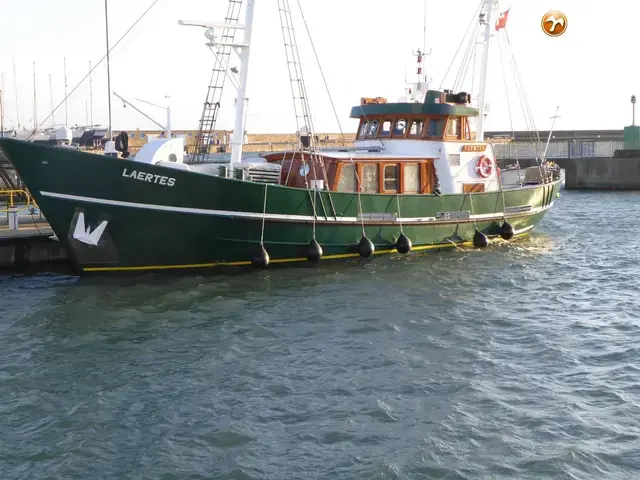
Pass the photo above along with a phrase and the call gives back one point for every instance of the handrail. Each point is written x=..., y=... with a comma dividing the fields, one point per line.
x=11, y=205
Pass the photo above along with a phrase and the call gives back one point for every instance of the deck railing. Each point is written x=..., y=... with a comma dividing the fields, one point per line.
x=16, y=200
x=568, y=149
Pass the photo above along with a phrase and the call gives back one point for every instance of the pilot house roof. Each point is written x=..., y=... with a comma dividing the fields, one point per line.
x=435, y=103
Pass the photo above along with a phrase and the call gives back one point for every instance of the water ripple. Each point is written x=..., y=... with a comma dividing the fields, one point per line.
x=519, y=361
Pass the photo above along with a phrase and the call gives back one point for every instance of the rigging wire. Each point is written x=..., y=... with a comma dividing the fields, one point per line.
x=96, y=66
x=473, y=19
x=324, y=80
x=286, y=24
x=529, y=118
x=466, y=60
x=506, y=92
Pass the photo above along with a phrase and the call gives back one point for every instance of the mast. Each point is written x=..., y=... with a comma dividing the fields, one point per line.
x=550, y=132
x=53, y=118
x=66, y=111
x=238, y=130
x=483, y=70
x=424, y=37
x=168, y=116
x=15, y=85
x=35, y=109
x=106, y=23
x=1, y=106
x=90, y=95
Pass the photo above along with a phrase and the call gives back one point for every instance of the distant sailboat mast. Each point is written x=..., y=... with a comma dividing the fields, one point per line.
x=66, y=111
x=35, y=109
x=53, y=118
x=90, y=95
x=2, y=105
x=15, y=86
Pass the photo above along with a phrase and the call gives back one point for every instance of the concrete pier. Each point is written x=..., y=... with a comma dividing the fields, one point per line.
x=30, y=246
x=603, y=173
x=593, y=173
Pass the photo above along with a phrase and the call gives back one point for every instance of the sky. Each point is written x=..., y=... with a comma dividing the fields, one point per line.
x=365, y=50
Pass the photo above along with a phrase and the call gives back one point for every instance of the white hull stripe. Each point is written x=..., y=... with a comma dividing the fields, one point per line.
x=278, y=216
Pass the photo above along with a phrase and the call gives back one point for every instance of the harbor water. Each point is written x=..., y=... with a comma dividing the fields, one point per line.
x=518, y=361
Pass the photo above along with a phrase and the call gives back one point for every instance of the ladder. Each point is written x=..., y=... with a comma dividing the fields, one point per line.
x=211, y=108
x=301, y=104
x=298, y=89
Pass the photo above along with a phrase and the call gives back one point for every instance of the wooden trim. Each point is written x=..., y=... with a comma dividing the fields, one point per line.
x=472, y=187
x=467, y=128
x=336, y=178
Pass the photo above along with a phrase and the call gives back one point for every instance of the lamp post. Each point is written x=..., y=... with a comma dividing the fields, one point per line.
x=633, y=110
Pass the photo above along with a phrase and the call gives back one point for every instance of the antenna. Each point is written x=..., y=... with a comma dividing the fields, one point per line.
x=15, y=85
x=53, y=118
x=66, y=111
x=90, y=95
x=424, y=38
x=106, y=24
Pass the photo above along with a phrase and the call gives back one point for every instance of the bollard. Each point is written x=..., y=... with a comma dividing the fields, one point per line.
x=12, y=213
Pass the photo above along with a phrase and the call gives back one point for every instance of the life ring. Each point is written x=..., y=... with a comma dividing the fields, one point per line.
x=484, y=166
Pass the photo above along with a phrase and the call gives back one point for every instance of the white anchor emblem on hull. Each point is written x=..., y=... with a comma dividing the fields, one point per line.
x=85, y=235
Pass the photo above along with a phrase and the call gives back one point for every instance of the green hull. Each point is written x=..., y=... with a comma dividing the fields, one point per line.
x=164, y=218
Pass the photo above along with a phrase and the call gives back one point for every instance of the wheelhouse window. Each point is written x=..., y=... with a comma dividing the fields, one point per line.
x=370, y=178
x=417, y=124
x=391, y=178
x=373, y=128
x=401, y=128
x=386, y=128
x=411, y=178
x=453, y=127
x=467, y=130
x=364, y=128
x=436, y=128
x=347, y=180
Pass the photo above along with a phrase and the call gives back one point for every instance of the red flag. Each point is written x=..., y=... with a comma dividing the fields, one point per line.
x=502, y=20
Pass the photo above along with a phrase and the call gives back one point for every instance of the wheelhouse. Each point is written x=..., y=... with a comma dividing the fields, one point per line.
x=442, y=117
x=366, y=173
x=406, y=147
